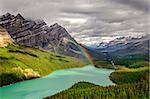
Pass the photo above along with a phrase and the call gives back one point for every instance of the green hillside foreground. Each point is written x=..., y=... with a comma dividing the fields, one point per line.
x=131, y=83
x=19, y=63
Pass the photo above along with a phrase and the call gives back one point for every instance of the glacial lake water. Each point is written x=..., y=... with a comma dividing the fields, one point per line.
x=55, y=82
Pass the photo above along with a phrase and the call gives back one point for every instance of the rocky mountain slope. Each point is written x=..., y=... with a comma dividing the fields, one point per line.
x=36, y=33
x=5, y=39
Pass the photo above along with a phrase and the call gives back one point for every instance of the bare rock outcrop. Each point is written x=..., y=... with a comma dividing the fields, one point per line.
x=5, y=38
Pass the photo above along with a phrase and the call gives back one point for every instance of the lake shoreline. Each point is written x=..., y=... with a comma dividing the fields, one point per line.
x=56, y=82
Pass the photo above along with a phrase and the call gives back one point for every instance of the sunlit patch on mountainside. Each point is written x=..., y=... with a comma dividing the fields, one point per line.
x=5, y=39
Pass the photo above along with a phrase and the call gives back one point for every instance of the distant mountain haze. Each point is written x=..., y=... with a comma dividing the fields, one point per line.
x=129, y=43
x=127, y=48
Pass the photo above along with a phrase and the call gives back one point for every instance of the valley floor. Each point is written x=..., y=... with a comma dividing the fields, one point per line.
x=131, y=83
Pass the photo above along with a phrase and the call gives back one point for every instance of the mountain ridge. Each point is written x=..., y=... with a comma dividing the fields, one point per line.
x=39, y=35
x=126, y=43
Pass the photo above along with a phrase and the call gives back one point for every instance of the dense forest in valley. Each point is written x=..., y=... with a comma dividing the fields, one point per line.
x=131, y=83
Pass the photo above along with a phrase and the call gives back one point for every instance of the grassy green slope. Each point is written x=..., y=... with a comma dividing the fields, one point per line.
x=126, y=75
x=17, y=60
x=129, y=59
x=133, y=64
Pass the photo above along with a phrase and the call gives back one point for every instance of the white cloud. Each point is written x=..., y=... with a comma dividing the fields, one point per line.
x=74, y=20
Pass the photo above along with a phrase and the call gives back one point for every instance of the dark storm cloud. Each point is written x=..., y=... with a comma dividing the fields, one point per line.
x=86, y=18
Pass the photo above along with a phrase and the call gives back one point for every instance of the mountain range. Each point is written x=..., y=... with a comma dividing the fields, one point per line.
x=125, y=49
x=37, y=34
x=125, y=43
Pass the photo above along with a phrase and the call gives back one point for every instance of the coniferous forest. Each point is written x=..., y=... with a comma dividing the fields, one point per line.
x=130, y=83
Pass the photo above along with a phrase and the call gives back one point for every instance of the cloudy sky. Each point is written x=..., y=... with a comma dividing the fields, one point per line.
x=88, y=21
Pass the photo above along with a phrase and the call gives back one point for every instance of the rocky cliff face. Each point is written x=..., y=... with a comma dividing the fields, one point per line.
x=5, y=38
x=39, y=35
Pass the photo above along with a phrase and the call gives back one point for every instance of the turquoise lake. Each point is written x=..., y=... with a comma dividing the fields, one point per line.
x=55, y=82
